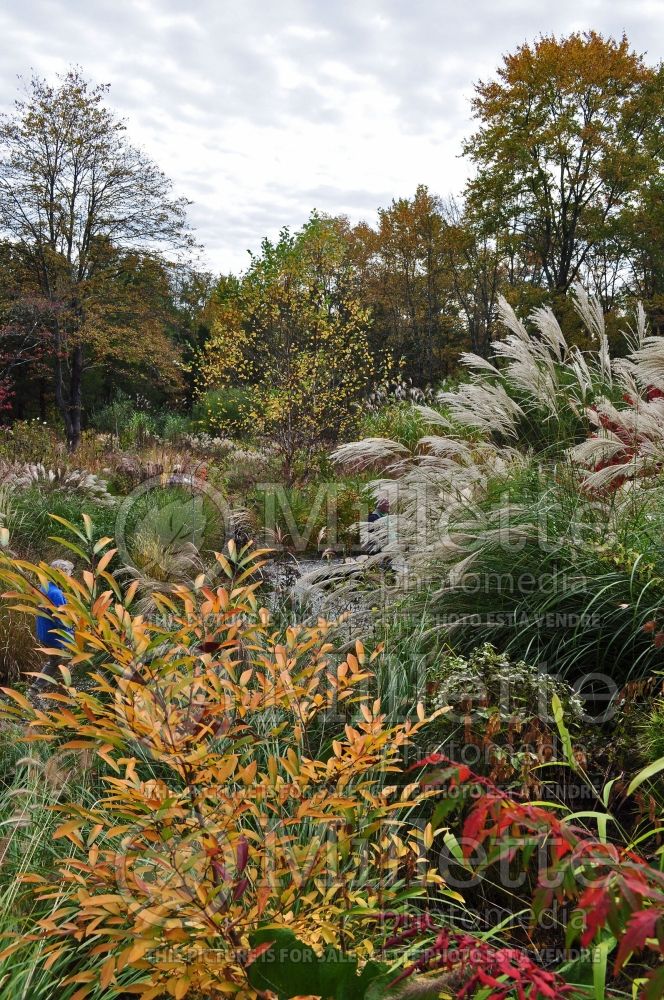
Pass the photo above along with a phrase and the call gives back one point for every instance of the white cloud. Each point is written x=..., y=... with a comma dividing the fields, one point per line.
x=261, y=111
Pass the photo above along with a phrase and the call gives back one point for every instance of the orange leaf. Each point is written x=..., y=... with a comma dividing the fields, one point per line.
x=65, y=829
x=107, y=972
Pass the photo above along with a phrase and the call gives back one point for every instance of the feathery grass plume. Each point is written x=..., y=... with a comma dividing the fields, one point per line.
x=485, y=407
x=23, y=476
x=476, y=363
x=371, y=454
x=590, y=311
x=549, y=330
x=547, y=454
x=433, y=417
x=510, y=320
x=613, y=475
x=604, y=446
x=579, y=367
x=648, y=362
x=531, y=365
x=534, y=379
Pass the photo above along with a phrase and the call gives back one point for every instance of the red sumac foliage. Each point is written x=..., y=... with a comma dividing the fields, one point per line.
x=615, y=889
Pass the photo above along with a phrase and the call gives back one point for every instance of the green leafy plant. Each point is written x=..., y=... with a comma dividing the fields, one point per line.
x=225, y=412
x=115, y=416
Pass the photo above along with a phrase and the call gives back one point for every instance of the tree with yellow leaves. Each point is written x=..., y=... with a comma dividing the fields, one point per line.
x=295, y=330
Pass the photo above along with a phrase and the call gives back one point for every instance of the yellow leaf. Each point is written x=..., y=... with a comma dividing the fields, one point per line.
x=180, y=988
x=101, y=544
x=102, y=900
x=94, y=833
x=80, y=977
x=225, y=768
x=80, y=994
x=10, y=949
x=18, y=698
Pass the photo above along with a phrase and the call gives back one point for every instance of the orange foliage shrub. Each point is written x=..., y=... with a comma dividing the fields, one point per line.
x=249, y=782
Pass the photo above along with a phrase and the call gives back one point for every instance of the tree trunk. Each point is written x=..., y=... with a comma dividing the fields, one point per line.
x=68, y=392
x=75, y=378
x=42, y=400
x=59, y=386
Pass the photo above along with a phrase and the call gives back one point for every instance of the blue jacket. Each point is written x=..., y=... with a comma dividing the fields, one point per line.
x=47, y=624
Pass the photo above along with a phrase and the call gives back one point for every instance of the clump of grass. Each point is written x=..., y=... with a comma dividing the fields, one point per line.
x=18, y=652
x=651, y=736
x=548, y=578
x=33, y=527
x=32, y=780
x=318, y=516
x=174, y=427
x=398, y=421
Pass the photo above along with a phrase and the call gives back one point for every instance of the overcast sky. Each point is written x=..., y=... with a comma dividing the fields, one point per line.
x=261, y=110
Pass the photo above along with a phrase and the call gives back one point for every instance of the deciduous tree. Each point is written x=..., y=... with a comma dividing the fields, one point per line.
x=408, y=284
x=294, y=328
x=477, y=272
x=86, y=213
x=569, y=132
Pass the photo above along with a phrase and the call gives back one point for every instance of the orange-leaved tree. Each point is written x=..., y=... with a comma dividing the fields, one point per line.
x=249, y=785
x=568, y=139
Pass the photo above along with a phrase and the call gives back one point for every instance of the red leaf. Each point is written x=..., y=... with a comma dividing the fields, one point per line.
x=640, y=926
